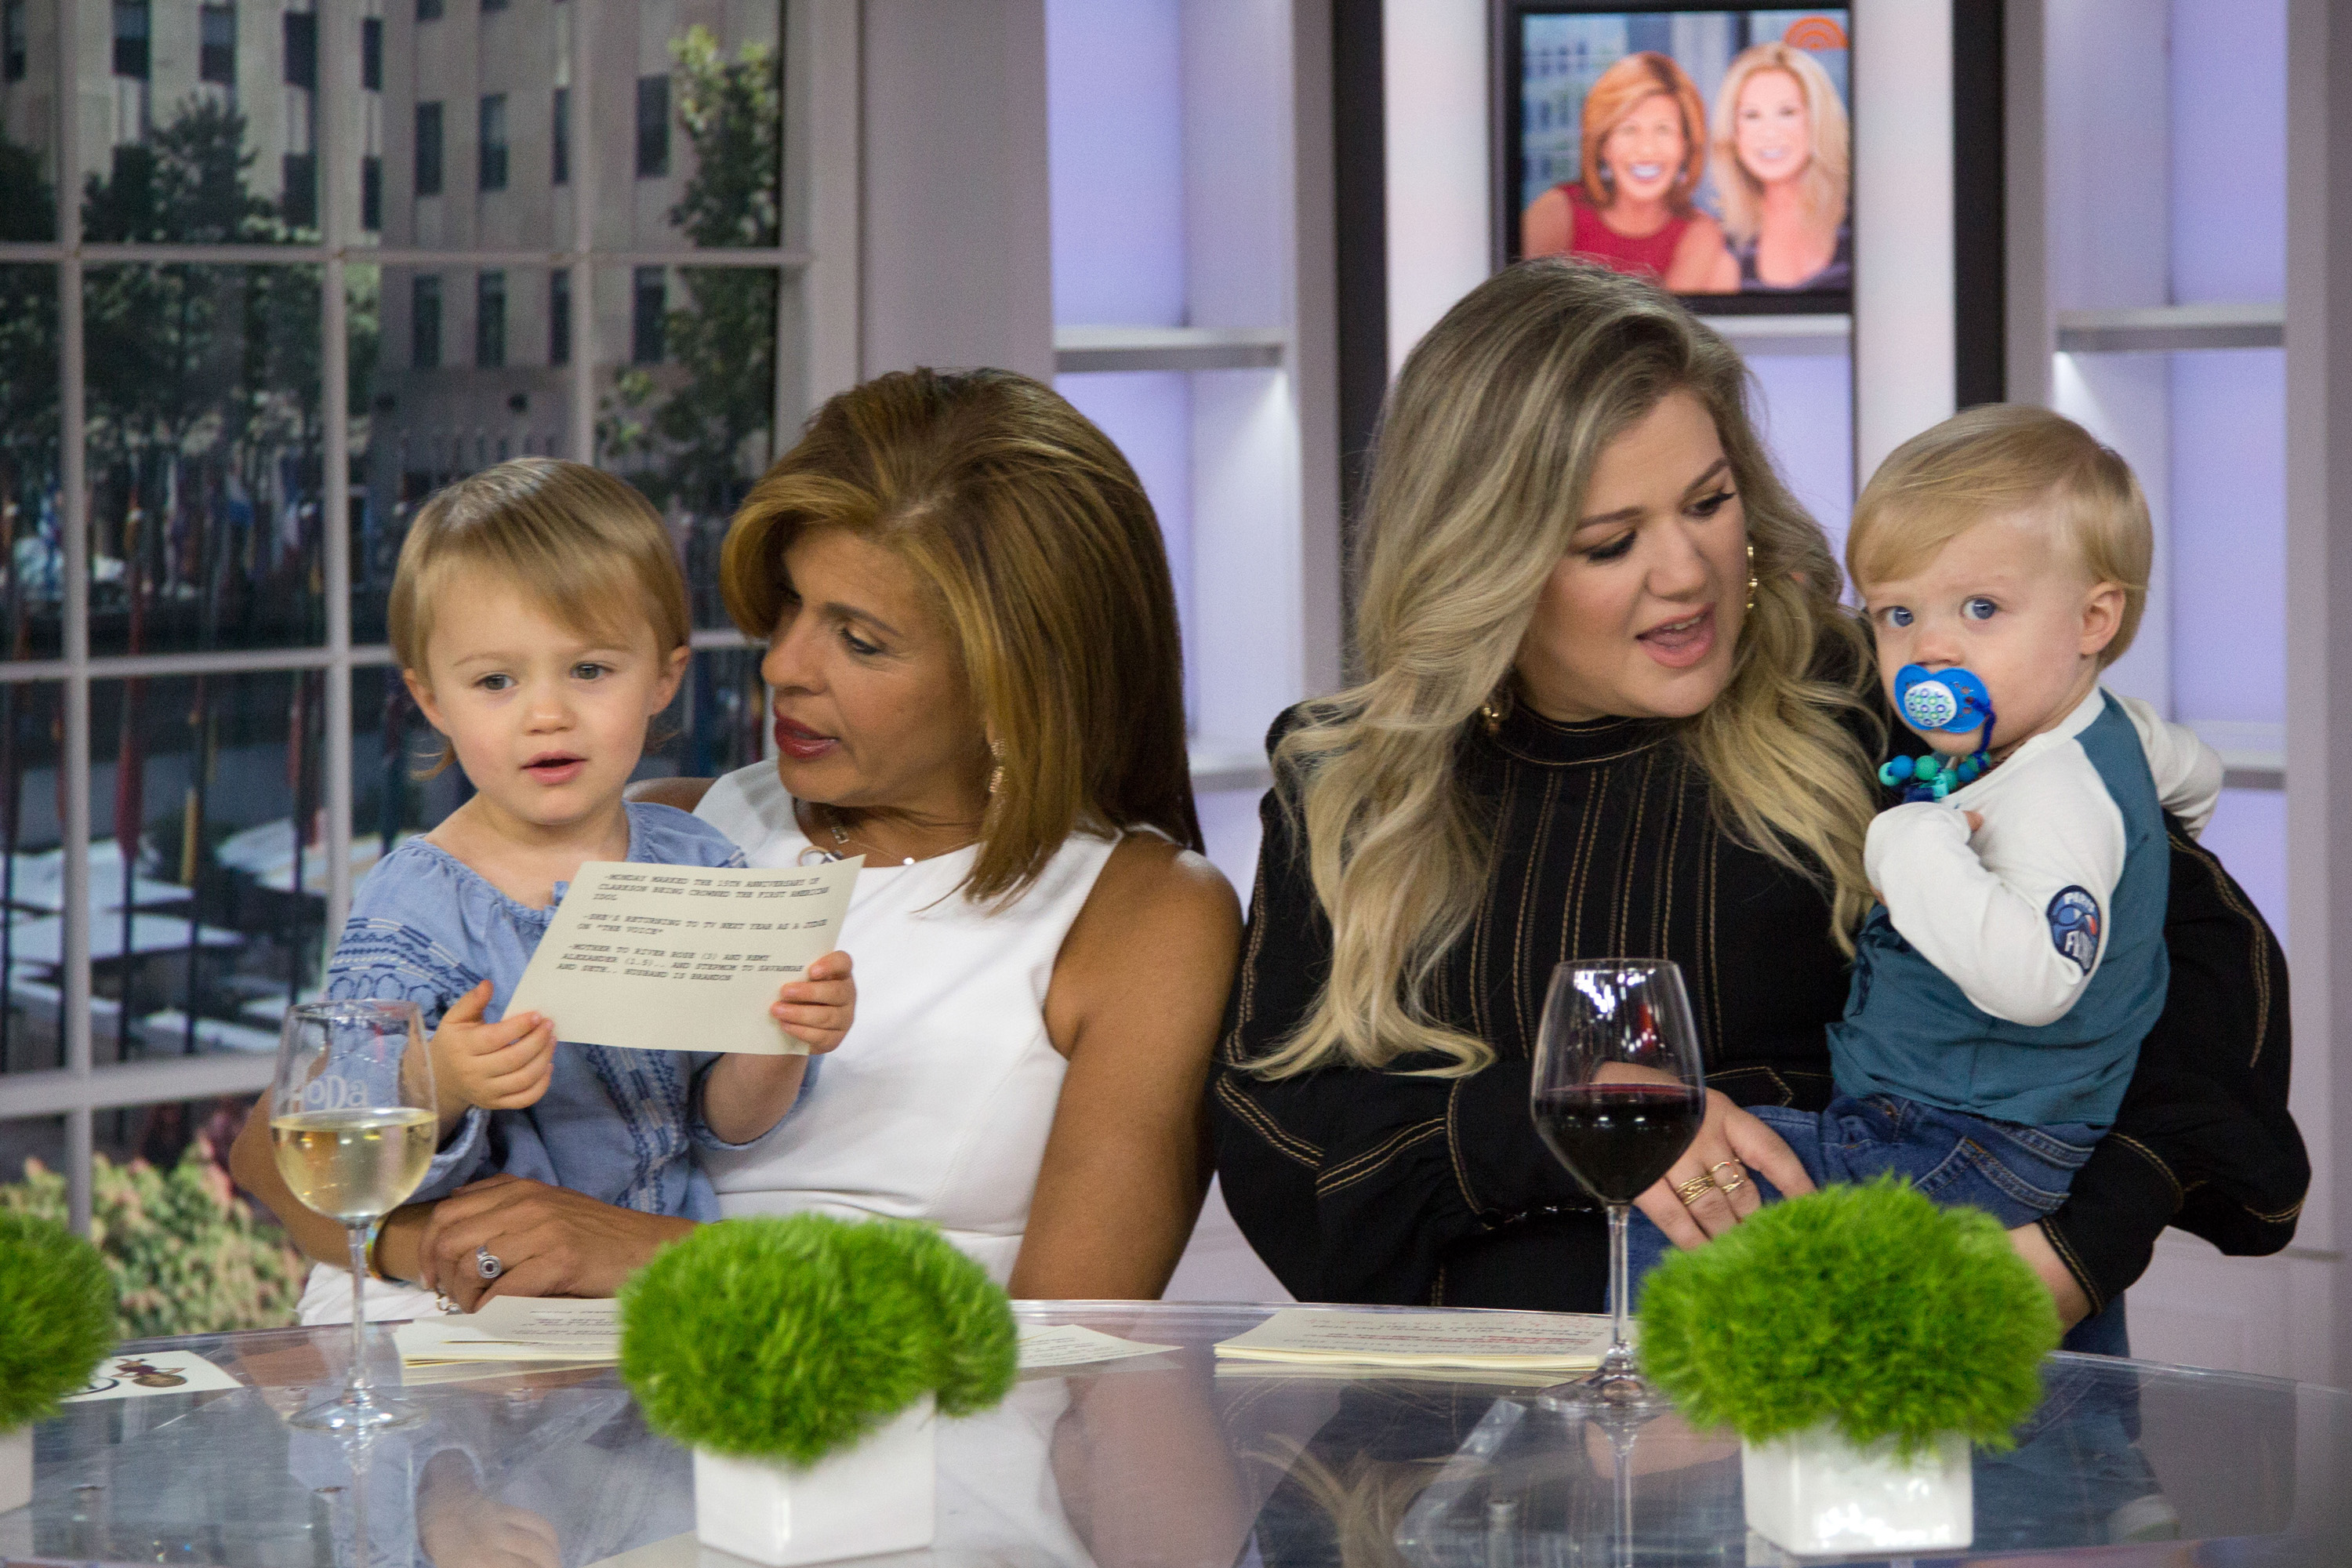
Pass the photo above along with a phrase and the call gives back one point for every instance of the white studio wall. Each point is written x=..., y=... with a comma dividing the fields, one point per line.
x=1905, y=354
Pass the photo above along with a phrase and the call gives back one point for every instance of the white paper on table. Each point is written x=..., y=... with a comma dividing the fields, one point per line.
x=1066, y=1345
x=664, y=958
x=126, y=1377
x=1494, y=1339
x=516, y=1328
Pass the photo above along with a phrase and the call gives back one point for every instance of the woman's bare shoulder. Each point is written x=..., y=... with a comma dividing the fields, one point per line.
x=683, y=793
x=1157, y=911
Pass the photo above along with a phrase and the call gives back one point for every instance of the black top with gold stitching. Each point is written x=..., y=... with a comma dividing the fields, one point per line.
x=1375, y=1187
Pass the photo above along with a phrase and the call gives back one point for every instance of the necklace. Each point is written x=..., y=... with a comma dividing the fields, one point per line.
x=841, y=839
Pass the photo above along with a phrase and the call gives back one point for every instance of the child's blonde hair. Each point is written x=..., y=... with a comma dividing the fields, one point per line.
x=586, y=547
x=2004, y=457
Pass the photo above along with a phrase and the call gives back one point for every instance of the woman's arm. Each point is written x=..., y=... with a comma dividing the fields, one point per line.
x=1133, y=1003
x=1548, y=226
x=1702, y=262
x=254, y=1164
x=2204, y=1140
x=683, y=793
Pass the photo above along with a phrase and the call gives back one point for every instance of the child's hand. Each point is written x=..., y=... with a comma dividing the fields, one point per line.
x=503, y=1065
x=817, y=1011
x=1976, y=821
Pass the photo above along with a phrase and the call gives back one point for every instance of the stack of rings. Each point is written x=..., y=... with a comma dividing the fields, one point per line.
x=487, y=1263
x=1690, y=1191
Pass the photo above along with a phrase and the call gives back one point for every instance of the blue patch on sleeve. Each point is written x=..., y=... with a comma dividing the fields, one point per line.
x=2074, y=925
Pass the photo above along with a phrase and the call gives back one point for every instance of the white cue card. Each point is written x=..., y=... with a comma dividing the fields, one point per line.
x=683, y=958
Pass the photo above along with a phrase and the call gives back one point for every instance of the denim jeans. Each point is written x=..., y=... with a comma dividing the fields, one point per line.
x=2014, y=1172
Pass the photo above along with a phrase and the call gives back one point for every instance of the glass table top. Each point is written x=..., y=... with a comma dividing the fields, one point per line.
x=1168, y=1460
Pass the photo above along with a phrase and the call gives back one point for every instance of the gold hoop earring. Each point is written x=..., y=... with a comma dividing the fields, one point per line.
x=1490, y=713
x=1751, y=576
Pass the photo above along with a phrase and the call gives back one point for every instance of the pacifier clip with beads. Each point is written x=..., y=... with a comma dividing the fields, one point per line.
x=1954, y=701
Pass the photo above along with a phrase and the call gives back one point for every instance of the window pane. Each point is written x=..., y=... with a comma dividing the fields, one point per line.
x=653, y=127
x=32, y=550
x=170, y=151
x=32, y=877
x=717, y=721
x=372, y=53
x=428, y=10
x=492, y=387
x=392, y=749
x=204, y=453
x=198, y=936
x=559, y=133
x=494, y=143
x=694, y=429
x=428, y=148
x=709, y=130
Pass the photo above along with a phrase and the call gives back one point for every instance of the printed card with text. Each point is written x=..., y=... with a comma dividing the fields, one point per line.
x=666, y=958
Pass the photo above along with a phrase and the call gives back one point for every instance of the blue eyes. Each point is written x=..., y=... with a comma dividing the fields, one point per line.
x=1898, y=617
x=1978, y=609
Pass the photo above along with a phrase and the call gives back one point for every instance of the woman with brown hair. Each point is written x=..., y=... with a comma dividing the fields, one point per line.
x=1611, y=706
x=971, y=647
x=1645, y=147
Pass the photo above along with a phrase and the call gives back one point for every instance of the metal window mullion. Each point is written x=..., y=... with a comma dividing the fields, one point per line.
x=584, y=164
x=334, y=364
x=72, y=471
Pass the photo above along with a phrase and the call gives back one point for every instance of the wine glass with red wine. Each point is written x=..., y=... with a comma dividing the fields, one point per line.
x=1618, y=1095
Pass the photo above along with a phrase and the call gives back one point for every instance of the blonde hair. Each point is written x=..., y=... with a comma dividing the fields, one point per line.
x=586, y=547
x=1485, y=451
x=2007, y=458
x=1613, y=95
x=1038, y=544
x=1829, y=168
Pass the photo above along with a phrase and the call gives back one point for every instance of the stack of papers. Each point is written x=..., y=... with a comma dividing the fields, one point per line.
x=1489, y=1342
x=515, y=1328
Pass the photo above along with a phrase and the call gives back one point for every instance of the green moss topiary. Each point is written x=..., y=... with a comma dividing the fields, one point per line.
x=1866, y=1306
x=57, y=1316
x=787, y=1339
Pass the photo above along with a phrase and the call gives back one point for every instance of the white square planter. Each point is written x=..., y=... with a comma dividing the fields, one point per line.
x=16, y=1469
x=876, y=1497
x=1814, y=1492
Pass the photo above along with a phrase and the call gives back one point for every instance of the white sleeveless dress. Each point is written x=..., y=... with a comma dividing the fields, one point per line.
x=937, y=1105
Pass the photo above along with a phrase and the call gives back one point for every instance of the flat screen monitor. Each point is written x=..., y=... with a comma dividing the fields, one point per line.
x=1711, y=150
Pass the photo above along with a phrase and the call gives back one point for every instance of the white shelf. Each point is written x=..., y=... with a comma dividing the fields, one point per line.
x=1221, y=765
x=1822, y=335
x=2162, y=329
x=1169, y=348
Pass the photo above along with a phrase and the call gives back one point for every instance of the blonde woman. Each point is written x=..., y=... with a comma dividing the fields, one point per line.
x=972, y=656
x=1644, y=154
x=1784, y=163
x=1611, y=706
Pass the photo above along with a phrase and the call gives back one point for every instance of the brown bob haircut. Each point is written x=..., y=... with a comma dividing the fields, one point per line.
x=1042, y=554
x=1611, y=97
x=586, y=547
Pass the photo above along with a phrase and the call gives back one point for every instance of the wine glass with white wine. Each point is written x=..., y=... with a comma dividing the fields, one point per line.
x=353, y=1124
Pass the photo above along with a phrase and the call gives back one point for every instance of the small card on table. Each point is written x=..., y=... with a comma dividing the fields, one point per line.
x=127, y=1376
x=1489, y=1340
x=665, y=958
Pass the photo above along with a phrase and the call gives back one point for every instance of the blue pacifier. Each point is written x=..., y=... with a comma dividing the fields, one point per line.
x=1952, y=701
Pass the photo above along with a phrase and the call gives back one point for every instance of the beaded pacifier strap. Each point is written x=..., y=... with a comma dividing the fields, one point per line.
x=1954, y=702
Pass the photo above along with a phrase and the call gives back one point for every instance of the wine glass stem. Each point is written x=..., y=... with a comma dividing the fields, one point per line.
x=357, y=1388
x=1620, y=1354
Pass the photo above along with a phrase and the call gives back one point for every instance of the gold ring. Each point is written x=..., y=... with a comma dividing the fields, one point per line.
x=1689, y=1190
x=1719, y=1164
x=1728, y=1188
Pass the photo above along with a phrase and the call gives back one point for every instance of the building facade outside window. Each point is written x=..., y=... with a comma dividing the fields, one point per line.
x=15, y=47
x=649, y=305
x=372, y=53
x=494, y=143
x=302, y=51
x=428, y=148
x=559, y=316
x=428, y=10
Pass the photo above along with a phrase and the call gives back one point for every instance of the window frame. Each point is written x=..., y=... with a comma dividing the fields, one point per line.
x=816, y=334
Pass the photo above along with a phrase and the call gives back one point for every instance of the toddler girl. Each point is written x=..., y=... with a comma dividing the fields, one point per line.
x=541, y=623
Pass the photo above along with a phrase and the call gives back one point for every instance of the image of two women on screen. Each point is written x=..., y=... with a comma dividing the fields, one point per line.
x=1774, y=217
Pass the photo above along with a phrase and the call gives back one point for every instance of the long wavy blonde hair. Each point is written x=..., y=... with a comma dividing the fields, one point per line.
x=1487, y=449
